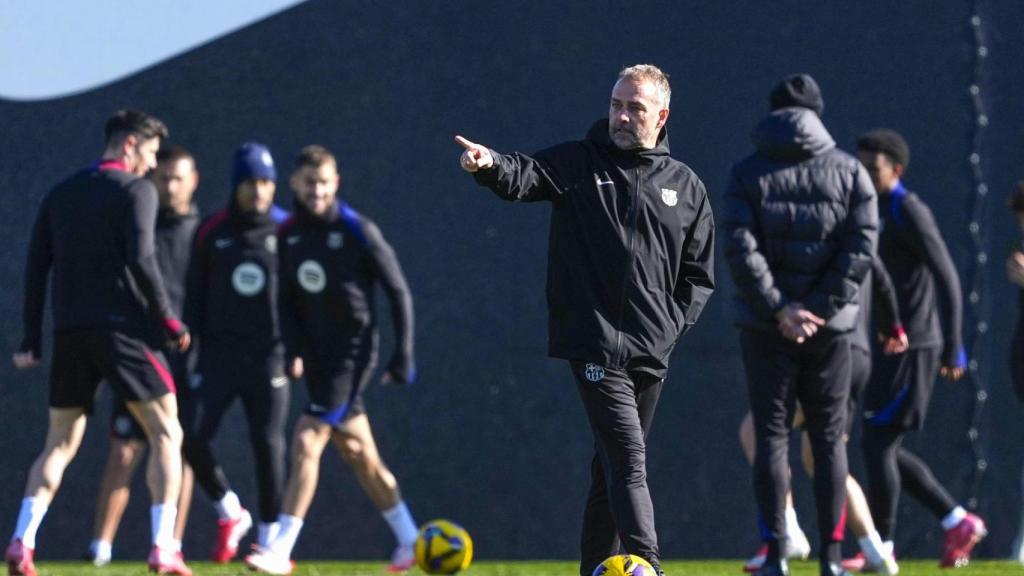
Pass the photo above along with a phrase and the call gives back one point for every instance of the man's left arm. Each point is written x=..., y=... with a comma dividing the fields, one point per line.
x=402, y=367
x=841, y=281
x=696, y=279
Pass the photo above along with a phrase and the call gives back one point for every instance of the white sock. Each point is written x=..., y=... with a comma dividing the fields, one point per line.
x=954, y=518
x=792, y=524
x=176, y=545
x=266, y=532
x=102, y=549
x=402, y=525
x=29, y=518
x=873, y=548
x=161, y=518
x=288, y=528
x=228, y=507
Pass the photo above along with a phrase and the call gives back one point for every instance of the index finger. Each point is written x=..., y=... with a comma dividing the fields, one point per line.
x=466, y=143
x=806, y=315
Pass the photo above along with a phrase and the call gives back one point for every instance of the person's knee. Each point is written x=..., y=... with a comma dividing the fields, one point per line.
x=126, y=453
x=355, y=453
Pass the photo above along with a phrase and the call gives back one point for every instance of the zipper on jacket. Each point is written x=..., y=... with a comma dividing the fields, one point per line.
x=631, y=226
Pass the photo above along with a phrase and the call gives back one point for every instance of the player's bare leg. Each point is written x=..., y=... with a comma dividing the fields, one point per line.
x=357, y=446
x=112, y=499
x=188, y=482
x=159, y=419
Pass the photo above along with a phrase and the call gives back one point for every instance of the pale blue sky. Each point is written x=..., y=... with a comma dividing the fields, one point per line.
x=54, y=48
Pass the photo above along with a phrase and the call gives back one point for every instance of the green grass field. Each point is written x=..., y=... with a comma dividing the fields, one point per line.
x=520, y=568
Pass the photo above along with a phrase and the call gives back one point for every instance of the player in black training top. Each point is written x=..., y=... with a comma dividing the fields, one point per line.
x=176, y=179
x=111, y=318
x=897, y=398
x=331, y=258
x=231, y=302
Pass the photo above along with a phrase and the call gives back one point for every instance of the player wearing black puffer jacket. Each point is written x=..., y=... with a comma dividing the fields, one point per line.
x=802, y=226
x=232, y=298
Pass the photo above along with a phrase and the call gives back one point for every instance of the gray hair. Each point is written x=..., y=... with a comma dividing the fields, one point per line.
x=649, y=73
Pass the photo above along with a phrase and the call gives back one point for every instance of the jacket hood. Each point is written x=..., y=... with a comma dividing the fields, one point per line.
x=792, y=134
x=599, y=133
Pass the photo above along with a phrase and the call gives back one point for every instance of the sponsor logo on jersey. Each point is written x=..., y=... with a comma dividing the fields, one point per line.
x=248, y=279
x=312, y=277
x=595, y=373
x=669, y=196
x=335, y=240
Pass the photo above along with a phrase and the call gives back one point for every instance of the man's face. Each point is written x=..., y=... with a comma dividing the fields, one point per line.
x=141, y=154
x=883, y=171
x=636, y=115
x=176, y=181
x=255, y=195
x=316, y=187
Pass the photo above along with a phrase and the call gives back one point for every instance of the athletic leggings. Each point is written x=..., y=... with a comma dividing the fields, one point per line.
x=265, y=393
x=890, y=467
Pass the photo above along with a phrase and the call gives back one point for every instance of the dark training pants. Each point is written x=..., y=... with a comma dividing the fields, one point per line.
x=817, y=373
x=620, y=407
x=900, y=394
x=264, y=391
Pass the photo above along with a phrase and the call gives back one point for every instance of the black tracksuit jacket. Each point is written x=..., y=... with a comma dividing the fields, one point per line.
x=912, y=248
x=174, y=235
x=631, y=247
x=328, y=270
x=95, y=230
x=232, y=287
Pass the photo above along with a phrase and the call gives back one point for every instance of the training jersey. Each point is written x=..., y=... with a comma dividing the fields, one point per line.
x=232, y=286
x=329, y=268
x=174, y=235
x=923, y=273
x=95, y=230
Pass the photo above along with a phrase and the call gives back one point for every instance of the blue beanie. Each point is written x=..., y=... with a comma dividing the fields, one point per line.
x=252, y=161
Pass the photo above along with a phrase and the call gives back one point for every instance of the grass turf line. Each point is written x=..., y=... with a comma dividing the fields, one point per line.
x=520, y=568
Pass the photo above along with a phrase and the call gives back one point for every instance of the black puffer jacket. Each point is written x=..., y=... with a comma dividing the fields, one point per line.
x=801, y=224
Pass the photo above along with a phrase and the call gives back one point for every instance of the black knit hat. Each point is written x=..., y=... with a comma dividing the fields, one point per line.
x=797, y=90
x=888, y=142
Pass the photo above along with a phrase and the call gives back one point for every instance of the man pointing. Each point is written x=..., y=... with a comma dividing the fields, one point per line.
x=630, y=267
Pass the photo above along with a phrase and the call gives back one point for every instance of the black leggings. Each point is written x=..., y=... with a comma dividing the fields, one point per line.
x=891, y=467
x=265, y=396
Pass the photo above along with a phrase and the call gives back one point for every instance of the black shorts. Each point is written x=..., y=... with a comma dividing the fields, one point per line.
x=337, y=395
x=123, y=424
x=901, y=388
x=84, y=357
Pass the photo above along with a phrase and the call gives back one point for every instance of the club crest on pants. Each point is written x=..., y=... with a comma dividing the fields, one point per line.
x=594, y=372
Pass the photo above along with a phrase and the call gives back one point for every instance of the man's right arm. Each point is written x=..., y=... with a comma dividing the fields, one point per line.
x=514, y=177
x=747, y=263
x=291, y=326
x=37, y=272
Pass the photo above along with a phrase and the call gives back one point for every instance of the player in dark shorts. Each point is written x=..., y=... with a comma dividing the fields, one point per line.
x=176, y=179
x=896, y=400
x=111, y=318
x=331, y=258
x=231, y=304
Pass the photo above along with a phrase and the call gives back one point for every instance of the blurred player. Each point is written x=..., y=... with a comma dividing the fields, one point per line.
x=630, y=268
x=231, y=301
x=111, y=318
x=176, y=179
x=1015, y=273
x=331, y=259
x=897, y=398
